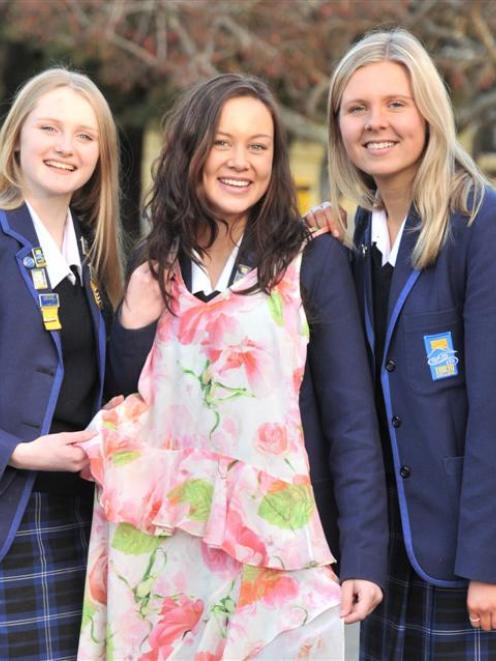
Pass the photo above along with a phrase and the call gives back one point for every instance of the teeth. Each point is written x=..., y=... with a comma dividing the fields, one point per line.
x=238, y=183
x=61, y=166
x=379, y=145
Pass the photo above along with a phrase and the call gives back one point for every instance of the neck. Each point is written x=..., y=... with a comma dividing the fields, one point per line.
x=218, y=253
x=53, y=215
x=397, y=201
x=227, y=236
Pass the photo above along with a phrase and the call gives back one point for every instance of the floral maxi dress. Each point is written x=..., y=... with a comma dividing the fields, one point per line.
x=206, y=541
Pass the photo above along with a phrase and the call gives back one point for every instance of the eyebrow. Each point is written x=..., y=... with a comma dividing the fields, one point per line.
x=387, y=97
x=58, y=121
x=252, y=137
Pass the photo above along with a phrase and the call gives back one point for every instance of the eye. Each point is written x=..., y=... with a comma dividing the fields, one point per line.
x=257, y=146
x=221, y=143
x=396, y=104
x=356, y=109
x=47, y=128
x=86, y=137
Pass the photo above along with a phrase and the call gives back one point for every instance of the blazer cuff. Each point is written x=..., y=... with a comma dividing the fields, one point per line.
x=8, y=444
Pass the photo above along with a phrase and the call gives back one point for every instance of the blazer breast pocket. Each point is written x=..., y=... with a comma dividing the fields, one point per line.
x=433, y=344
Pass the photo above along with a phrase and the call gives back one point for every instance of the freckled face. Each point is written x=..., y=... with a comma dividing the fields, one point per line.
x=238, y=168
x=58, y=145
x=382, y=129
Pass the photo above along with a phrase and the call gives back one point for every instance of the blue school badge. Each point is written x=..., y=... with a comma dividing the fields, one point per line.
x=441, y=356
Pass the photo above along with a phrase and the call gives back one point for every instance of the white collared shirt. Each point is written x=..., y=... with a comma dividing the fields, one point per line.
x=200, y=280
x=380, y=236
x=58, y=261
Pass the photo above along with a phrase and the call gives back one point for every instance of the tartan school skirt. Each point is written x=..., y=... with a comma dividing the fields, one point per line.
x=418, y=621
x=42, y=579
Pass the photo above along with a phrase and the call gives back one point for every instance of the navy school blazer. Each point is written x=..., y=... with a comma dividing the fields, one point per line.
x=31, y=363
x=336, y=404
x=438, y=379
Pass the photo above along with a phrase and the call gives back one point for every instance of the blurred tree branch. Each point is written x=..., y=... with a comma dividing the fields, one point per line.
x=157, y=47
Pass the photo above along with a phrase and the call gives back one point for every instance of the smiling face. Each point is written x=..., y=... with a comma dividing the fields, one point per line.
x=381, y=127
x=58, y=145
x=238, y=168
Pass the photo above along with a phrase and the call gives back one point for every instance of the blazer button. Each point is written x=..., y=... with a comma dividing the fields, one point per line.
x=405, y=472
x=390, y=365
x=396, y=421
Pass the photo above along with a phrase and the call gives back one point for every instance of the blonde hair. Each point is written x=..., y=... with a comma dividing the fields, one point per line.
x=97, y=202
x=447, y=178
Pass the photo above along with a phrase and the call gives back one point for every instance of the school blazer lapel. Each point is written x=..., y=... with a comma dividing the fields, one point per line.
x=404, y=276
x=92, y=295
x=363, y=269
x=18, y=224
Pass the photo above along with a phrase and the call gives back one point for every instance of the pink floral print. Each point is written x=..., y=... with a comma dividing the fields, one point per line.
x=206, y=541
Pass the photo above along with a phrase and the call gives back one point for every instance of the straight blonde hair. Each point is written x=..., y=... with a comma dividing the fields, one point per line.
x=447, y=179
x=97, y=202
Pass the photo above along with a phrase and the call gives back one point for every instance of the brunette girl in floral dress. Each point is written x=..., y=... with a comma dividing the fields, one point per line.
x=253, y=428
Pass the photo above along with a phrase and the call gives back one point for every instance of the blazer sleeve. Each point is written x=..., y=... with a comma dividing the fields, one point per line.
x=8, y=444
x=338, y=368
x=476, y=546
x=128, y=350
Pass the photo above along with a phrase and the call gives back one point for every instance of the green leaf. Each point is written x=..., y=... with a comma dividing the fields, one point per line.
x=198, y=494
x=144, y=588
x=89, y=609
x=123, y=458
x=276, y=308
x=305, y=329
x=131, y=541
x=109, y=647
x=289, y=508
x=250, y=573
x=225, y=606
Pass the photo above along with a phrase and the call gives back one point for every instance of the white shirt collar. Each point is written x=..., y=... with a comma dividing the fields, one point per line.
x=380, y=236
x=58, y=261
x=200, y=281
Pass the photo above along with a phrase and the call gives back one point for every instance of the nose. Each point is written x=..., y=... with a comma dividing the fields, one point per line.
x=376, y=119
x=238, y=158
x=63, y=144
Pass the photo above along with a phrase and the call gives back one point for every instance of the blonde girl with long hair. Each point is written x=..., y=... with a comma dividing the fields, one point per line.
x=60, y=271
x=424, y=266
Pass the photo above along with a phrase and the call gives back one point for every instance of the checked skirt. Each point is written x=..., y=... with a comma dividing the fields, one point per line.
x=418, y=621
x=42, y=579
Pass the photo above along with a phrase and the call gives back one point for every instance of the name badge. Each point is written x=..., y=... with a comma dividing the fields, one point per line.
x=441, y=355
x=49, y=306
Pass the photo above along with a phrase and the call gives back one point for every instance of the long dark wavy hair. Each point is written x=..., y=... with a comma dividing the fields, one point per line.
x=177, y=207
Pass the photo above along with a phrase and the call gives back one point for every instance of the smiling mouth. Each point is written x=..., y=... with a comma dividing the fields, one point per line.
x=60, y=166
x=236, y=183
x=379, y=145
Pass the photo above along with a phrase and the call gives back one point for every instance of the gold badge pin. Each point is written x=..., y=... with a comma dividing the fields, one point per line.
x=40, y=280
x=39, y=258
x=96, y=294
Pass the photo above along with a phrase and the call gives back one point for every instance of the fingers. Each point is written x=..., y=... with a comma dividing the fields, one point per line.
x=112, y=403
x=365, y=596
x=481, y=605
x=311, y=219
x=323, y=216
x=483, y=620
x=347, y=598
x=71, y=437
